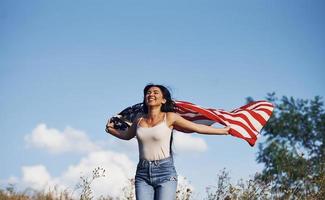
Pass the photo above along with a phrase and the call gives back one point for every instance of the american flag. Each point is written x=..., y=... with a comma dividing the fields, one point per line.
x=245, y=122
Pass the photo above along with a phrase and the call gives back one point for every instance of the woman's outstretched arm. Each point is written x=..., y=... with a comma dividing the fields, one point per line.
x=179, y=121
x=124, y=135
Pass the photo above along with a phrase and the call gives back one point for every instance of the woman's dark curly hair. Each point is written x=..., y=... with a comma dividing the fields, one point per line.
x=169, y=106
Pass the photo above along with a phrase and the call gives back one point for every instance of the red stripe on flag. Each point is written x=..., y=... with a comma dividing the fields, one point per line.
x=231, y=118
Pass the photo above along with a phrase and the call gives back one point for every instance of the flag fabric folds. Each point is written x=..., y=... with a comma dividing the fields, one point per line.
x=245, y=122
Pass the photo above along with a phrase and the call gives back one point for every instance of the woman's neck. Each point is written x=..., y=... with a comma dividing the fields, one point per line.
x=153, y=113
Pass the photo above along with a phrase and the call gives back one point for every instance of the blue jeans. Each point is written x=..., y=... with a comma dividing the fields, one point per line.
x=156, y=180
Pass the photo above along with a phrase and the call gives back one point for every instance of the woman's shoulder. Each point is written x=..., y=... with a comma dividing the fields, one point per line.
x=171, y=115
x=138, y=117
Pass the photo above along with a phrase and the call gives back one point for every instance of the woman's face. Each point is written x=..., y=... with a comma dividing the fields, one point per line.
x=154, y=97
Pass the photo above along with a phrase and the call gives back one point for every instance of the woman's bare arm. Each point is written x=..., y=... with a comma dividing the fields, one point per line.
x=124, y=135
x=179, y=121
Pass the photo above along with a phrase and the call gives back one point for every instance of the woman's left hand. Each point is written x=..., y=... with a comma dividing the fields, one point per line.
x=226, y=129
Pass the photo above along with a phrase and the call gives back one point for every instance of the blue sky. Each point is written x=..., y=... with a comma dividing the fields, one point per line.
x=76, y=63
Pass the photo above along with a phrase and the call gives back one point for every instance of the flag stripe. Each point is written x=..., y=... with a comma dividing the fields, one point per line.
x=245, y=122
x=247, y=119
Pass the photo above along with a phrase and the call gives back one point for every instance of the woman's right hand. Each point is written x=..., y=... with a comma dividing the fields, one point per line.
x=124, y=135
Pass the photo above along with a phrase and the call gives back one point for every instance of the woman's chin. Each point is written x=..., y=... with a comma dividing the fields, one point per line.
x=153, y=104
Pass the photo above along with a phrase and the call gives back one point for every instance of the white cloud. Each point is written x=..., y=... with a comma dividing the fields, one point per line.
x=185, y=142
x=36, y=177
x=119, y=169
x=70, y=140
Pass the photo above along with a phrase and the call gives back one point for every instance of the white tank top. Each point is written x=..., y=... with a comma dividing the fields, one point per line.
x=154, y=142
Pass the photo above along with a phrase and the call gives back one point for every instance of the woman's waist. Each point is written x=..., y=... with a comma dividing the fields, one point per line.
x=143, y=161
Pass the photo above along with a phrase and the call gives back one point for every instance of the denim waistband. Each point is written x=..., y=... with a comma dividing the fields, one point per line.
x=156, y=162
